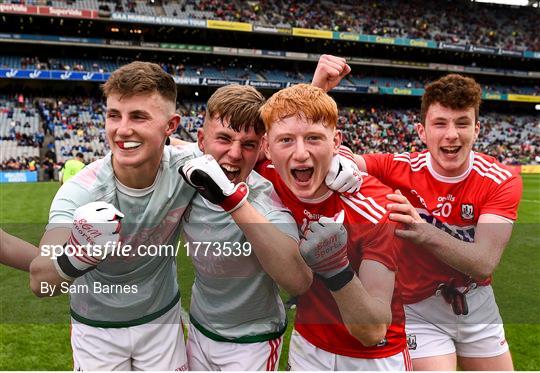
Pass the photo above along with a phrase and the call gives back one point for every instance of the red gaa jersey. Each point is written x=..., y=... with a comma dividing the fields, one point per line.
x=370, y=236
x=452, y=204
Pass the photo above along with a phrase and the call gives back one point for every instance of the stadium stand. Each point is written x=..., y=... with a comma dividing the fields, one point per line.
x=20, y=134
x=511, y=139
x=465, y=22
x=235, y=69
x=77, y=125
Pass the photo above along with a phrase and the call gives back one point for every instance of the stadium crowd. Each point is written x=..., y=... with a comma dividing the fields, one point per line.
x=77, y=125
x=465, y=22
x=511, y=139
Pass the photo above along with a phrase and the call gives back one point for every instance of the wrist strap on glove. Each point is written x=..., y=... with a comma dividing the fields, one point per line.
x=236, y=199
x=66, y=269
x=338, y=281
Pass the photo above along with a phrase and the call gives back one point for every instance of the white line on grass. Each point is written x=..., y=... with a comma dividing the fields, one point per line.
x=531, y=200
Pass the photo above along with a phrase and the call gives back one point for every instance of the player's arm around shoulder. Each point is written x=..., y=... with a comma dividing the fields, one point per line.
x=478, y=259
x=176, y=142
x=276, y=251
x=365, y=302
x=15, y=252
x=75, y=221
x=44, y=277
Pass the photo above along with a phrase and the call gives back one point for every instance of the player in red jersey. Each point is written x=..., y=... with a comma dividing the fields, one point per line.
x=470, y=202
x=352, y=317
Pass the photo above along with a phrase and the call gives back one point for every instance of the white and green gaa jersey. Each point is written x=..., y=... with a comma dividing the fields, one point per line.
x=232, y=298
x=139, y=287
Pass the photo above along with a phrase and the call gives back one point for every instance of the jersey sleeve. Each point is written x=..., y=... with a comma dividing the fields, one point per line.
x=270, y=205
x=266, y=170
x=505, y=199
x=381, y=245
x=377, y=238
x=284, y=221
x=69, y=197
x=378, y=164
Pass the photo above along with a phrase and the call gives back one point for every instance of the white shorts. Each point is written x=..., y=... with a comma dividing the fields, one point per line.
x=206, y=354
x=305, y=356
x=433, y=329
x=158, y=345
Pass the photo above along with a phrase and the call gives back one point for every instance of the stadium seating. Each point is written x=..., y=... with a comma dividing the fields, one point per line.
x=19, y=131
x=512, y=139
x=78, y=126
x=464, y=22
x=235, y=69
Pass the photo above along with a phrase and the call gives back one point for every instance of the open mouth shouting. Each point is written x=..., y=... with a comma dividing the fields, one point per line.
x=450, y=151
x=128, y=145
x=230, y=171
x=302, y=175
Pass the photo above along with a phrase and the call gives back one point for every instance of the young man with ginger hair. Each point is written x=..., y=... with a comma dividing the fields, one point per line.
x=352, y=317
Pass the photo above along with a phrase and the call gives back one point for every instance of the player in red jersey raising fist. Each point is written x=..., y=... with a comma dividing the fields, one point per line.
x=469, y=202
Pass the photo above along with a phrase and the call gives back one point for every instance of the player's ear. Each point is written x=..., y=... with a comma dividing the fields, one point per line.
x=476, y=130
x=266, y=146
x=200, y=139
x=338, y=138
x=172, y=124
x=421, y=130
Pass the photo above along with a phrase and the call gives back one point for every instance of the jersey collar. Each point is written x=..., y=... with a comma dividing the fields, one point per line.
x=132, y=192
x=449, y=179
x=320, y=199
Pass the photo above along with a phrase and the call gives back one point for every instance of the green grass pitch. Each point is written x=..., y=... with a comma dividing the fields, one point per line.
x=28, y=345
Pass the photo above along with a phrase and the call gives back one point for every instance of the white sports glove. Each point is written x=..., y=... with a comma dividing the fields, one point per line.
x=205, y=175
x=324, y=246
x=95, y=232
x=344, y=175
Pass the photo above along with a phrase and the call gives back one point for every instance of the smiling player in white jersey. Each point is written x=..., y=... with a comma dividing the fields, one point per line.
x=136, y=325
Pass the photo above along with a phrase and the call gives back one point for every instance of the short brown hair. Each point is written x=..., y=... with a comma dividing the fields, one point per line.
x=239, y=105
x=301, y=100
x=453, y=91
x=139, y=78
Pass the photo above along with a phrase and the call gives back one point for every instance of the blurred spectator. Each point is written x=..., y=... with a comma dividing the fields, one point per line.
x=72, y=168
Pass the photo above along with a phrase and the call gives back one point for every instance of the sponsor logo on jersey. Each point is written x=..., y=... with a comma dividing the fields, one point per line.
x=465, y=234
x=411, y=341
x=311, y=216
x=422, y=201
x=449, y=198
x=467, y=211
